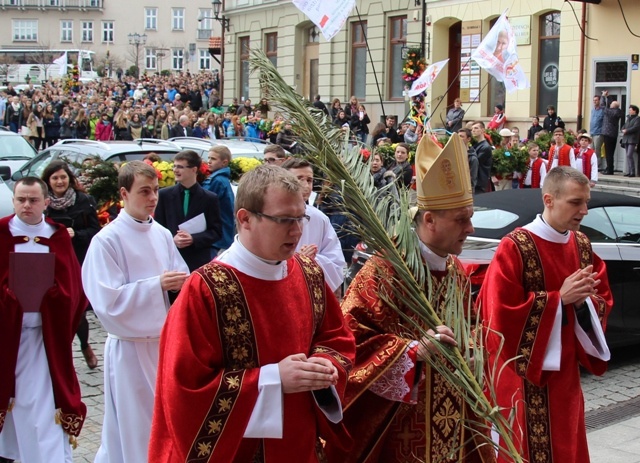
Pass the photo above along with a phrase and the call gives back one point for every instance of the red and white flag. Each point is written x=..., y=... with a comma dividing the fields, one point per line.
x=328, y=15
x=427, y=77
x=497, y=55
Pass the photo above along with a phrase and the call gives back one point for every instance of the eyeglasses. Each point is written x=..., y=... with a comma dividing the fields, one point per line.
x=288, y=221
x=179, y=167
x=270, y=160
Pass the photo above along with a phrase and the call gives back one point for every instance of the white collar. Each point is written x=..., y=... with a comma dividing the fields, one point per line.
x=135, y=223
x=545, y=231
x=434, y=261
x=246, y=262
x=28, y=229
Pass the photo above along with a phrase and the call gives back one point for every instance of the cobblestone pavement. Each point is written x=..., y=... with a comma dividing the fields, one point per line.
x=619, y=384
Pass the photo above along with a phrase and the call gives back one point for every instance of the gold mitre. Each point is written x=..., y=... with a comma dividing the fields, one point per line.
x=442, y=175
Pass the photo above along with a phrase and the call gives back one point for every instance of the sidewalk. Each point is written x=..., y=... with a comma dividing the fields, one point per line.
x=618, y=443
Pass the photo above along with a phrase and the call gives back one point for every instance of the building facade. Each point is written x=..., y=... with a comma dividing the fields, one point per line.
x=156, y=34
x=570, y=51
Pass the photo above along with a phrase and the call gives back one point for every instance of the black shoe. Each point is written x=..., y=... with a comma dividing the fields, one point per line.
x=627, y=175
x=608, y=173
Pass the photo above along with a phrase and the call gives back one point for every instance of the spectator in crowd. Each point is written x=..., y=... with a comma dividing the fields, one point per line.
x=360, y=124
x=93, y=121
x=200, y=130
x=534, y=129
x=552, y=121
x=465, y=136
x=317, y=103
x=76, y=210
x=484, y=152
x=246, y=109
x=342, y=120
x=596, y=119
x=287, y=139
x=381, y=176
x=182, y=129
x=352, y=108
x=41, y=411
x=336, y=107
x=401, y=167
x=104, y=129
x=130, y=267
x=498, y=120
x=379, y=131
x=149, y=127
x=13, y=115
x=36, y=128
x=455, y=116
x=67, y=124
x=263, y=107
x=51, y=123
x=630, y=139
x=410, y=133
x=219, y=182
x=134, y=127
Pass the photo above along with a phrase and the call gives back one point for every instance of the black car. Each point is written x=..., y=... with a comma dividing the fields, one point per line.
x=612, y=225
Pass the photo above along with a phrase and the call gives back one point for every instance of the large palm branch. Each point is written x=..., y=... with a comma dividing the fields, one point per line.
x=380, y=220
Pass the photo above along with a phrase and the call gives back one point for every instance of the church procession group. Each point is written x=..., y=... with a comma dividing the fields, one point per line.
x=250, y=357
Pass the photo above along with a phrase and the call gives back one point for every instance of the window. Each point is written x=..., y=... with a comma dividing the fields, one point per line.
x=626, y=222
x=397, y=40
x=150, y=58
x=177, y=19
x=549, y=55
x=272, y=47
x=151, y=19
x=204, y=61
x=25, y=30
x=66, y=31
x=596, y=224
x=54, y=2
x=244, y=67
x=107, y=32
x=205, y=15
x=313, y=35
x=87, y=31
x=177, y=59
x=359, y=60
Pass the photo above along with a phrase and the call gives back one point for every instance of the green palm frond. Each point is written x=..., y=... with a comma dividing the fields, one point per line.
x=382, y=223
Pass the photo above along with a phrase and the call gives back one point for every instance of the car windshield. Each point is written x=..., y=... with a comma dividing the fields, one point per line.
x=15, y=148
x=492, y=219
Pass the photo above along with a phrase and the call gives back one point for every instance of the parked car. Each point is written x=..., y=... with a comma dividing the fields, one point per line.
x=612, y=225
x=239, y=147
x=76, y=151
x=15, y=150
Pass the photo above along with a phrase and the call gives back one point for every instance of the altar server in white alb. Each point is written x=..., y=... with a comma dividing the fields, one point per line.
x=130, y=266
x=319, y=240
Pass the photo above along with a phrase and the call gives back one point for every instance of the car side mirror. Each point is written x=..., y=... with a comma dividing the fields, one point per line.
x=5, y=172
x=17, y=175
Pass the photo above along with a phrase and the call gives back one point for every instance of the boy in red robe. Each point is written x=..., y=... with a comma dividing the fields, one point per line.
x=547, y=297
x=254, y=355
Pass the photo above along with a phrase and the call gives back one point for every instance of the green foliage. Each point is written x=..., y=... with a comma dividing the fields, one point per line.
x=100, y=179
x=507, y=161
x=496, y=138
x=388, y=152
x=165, y=73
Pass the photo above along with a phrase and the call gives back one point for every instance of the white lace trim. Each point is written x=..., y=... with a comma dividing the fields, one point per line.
x=392, y=384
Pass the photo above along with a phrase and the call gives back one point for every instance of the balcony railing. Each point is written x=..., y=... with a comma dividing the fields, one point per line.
x=52, y=4
x=204, y=34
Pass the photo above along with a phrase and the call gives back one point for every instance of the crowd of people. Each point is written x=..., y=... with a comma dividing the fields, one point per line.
x=226, y=341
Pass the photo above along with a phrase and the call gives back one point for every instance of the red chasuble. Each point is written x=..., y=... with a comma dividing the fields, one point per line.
x=399, y=430
x=61, y=309
x=519, y=298
x=221, y=329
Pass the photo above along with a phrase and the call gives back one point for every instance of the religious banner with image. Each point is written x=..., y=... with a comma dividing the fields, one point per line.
x=328, y=15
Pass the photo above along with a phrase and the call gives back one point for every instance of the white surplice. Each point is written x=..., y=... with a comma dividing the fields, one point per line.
x=320, y=232
x=121, y=277
x=30, y=433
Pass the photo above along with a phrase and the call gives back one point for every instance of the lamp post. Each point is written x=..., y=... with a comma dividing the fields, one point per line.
x=137, y=40
x=224, y=22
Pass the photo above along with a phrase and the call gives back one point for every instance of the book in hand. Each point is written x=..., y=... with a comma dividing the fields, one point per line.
x=31, y=274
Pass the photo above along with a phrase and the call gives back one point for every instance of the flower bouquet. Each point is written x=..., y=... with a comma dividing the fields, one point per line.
x=413, y=66
x=242, y=165
x=166, y=177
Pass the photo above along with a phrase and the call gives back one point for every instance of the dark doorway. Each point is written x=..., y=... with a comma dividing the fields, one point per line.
x=455, y=42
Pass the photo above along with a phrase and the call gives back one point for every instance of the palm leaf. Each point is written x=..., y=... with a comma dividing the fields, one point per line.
x=388, y=232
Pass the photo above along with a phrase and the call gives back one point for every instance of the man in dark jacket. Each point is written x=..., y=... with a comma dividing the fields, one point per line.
x=186, y=202
x=317, y=103
x=484, y=152
x=610, y=128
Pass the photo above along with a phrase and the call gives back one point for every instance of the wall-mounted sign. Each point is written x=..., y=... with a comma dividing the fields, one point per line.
x=522, y=29
x=471, y=36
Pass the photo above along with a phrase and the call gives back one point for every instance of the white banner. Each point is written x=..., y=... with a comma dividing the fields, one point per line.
x=427, y=77
x=497, y=55
x=62, y=62
x=328, y=15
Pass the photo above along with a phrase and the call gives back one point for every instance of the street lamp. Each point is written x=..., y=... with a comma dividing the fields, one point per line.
x=137, y=40
x=224, y=22
x=217, y=6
